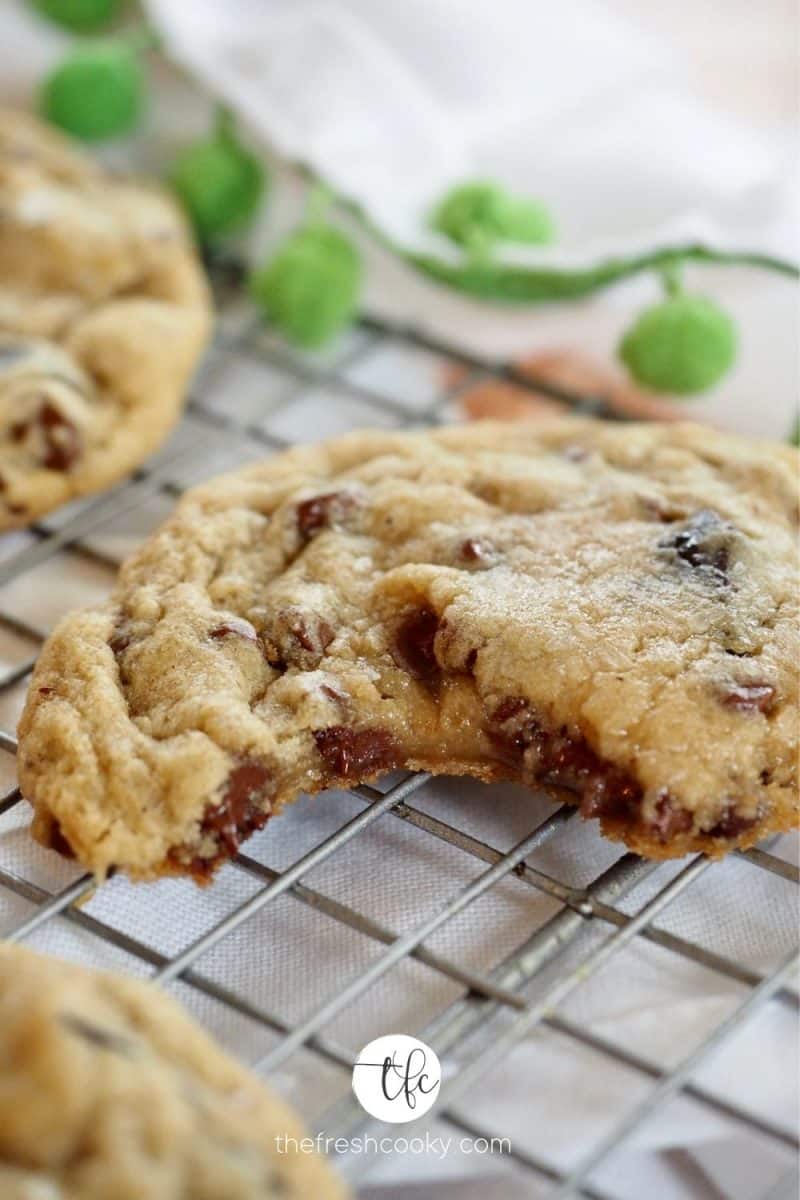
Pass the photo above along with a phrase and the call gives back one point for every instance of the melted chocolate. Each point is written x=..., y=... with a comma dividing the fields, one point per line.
x=413, y=645
x=519, y=739
x=235, y=627
x=703, y=544
x=56, y=841
x=749, y=697
x=239, y=812
x=670, y=818
x=63, y=441
x=731, y=824
x=320, y=512
x=350, y=753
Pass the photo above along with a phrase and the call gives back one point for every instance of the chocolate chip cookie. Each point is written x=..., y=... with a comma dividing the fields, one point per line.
x=603, y=608
x=104, y=311
x=110, y=1092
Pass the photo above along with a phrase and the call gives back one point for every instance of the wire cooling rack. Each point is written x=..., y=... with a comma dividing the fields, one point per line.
x=253, y=397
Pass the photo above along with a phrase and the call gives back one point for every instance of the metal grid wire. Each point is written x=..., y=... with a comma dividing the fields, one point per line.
x=220, y=420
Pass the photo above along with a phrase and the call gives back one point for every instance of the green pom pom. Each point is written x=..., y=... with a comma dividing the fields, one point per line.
x=82, y=16
x=476, y=215
x=683, y=345
x=310, y=289
x=220, y=184
x=97, y=92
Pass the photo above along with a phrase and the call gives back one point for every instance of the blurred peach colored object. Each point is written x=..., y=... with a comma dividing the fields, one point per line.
x=570, y=371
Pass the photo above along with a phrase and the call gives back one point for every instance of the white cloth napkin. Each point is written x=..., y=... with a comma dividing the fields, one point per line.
x=582, y=103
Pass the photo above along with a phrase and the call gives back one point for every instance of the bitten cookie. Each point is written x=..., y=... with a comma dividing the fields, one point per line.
x=607, y=608
x=108, y=1091
x=104, y=311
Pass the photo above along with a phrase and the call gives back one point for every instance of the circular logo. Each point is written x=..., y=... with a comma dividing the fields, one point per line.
x=396, y=1078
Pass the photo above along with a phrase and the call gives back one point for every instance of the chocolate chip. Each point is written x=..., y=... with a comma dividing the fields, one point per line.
x=520, y=739
x=749, y=697
x=118, y=643
x=312, y=632
x=46, y=691
x=350, y=753
x=104, y=1039
x=294, y=637
x=670, y=818
x=703, y=544
x=731, y=823
x=63, y=442
x=320, y=512
x=508, y=708
x=413, y=645
x=234, y=627
x=56, y=841
x=238, y=814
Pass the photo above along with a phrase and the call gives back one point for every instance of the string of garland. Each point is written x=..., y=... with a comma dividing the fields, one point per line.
x=310, y=288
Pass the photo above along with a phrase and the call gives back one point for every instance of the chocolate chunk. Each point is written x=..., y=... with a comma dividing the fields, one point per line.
x=238, y=814
x=356, y=753
x=413, y=645
x=731, y=823
x=704, y=544
x=118, y=643
x=476, y=550
x=670, y=818
x=455, y=649
x=234, y=627
x=294, y=637
x=520, y=739
x=63, y=442
x=56, y=841
x=104, y=1039
x=320, y=512
x=312, y=632
x=508, y=708
x=46, y=691
x=749, y=697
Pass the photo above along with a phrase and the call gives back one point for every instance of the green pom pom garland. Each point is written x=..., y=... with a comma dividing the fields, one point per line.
x=683, y=345
x=310, y=289
x=219, y=182
x=81, y=16
x=477, y=215
x=97, y=92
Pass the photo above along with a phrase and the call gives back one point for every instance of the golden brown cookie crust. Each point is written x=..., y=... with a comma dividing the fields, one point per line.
x=606, y=607
x=109, y=1091
x=104, y=311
